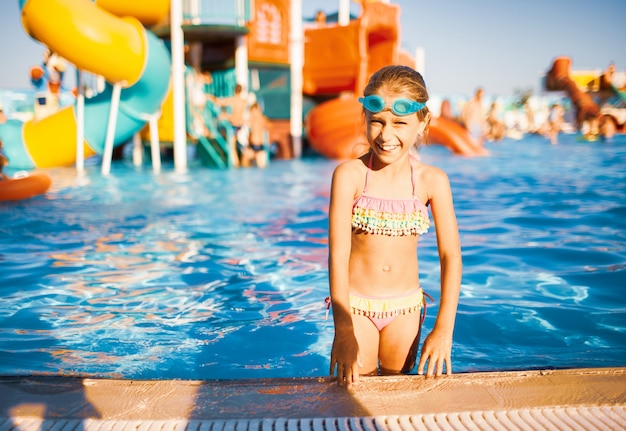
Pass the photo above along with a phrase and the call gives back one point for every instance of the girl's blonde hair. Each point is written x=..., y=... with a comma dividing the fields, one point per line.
x=401, y=80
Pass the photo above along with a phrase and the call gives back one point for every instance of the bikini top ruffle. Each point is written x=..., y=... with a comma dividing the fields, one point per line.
x=392, y=217
x=398, y=217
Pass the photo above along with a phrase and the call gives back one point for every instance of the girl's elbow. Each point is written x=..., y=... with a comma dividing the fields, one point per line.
x=453, y=257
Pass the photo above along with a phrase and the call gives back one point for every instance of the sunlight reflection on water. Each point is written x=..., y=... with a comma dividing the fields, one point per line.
x=222, y=274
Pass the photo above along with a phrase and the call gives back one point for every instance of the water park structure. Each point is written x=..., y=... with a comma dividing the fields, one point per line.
x=94, y=37
x=132, y=47
x=598, y=97
x=339, y=58
x=246, y=44
x=135, y=55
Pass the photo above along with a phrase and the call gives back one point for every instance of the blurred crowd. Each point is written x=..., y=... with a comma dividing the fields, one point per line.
x=513, y=118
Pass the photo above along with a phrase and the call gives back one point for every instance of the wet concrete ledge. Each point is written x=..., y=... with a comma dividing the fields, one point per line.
x=132, y=400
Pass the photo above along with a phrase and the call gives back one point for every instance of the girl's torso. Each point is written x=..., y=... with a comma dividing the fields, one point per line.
x=384, y=240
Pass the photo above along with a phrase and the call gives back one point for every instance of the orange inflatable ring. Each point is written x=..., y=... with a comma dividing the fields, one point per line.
x=12, y=189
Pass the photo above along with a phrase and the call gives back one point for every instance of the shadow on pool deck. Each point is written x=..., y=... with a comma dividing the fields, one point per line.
x=579, y=395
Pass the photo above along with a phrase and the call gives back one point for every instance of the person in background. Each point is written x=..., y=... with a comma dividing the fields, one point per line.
x=378, y=210
x=446, y=112
x=56, y=66
x=3, y=117
x=49, y=76
x=320, y=18
x=238, y=115
x=255, y=152
x=473, y=117
x=194, y=82
x=555, y=122
x=532, y=126
x=3, y=162
x=591, y=129
x=495, y=126
x=607, y=128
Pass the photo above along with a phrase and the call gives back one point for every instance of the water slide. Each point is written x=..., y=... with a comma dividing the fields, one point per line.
x=335, y=129
x=107, y=38
x=455, y=137
x=558, y=79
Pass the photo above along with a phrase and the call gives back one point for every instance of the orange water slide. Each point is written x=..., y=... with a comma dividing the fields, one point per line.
x=342, y=58
x=558, y=79
x=455, y=137
x=335, y=128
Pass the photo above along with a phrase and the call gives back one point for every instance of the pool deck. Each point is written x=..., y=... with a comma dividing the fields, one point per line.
x=591, y=398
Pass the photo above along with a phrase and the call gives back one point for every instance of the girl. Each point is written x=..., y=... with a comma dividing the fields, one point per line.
x=378, y=210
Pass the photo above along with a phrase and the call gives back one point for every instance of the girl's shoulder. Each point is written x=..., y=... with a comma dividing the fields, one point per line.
x=352, y=167
x=430, y=176
x=349, y=177
x=422, y=168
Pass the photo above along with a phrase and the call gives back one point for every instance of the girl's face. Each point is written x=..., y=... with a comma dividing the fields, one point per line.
x=389, y=135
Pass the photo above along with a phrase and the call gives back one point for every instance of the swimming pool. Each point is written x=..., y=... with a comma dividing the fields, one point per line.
x=222, y=274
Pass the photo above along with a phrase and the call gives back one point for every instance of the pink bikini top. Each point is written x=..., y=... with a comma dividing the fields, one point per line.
x=392, y=217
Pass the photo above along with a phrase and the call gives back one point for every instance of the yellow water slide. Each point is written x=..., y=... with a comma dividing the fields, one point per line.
x=107, y=38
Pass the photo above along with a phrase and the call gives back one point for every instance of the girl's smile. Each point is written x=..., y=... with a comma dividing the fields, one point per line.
x=388, y=147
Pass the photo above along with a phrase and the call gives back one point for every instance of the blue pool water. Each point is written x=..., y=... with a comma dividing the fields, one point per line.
x=222, y=274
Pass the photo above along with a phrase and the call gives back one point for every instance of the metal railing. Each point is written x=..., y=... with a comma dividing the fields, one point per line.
x=216, y=12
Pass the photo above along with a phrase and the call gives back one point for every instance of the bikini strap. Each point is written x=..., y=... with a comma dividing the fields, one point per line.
x=367, y=173
x=369, y=168
x=412, y=176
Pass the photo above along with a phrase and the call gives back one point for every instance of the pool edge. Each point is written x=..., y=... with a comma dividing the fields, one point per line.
x=56, y=398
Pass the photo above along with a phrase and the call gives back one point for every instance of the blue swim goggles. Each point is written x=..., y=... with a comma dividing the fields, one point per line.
x=375, y=104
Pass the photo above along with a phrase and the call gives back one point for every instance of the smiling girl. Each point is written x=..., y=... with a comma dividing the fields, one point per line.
x=378, y=209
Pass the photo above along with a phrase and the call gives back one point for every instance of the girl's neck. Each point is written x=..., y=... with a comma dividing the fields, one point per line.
x=395, y=166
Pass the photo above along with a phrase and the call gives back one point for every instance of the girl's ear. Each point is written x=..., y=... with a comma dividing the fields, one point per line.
x=423, y=124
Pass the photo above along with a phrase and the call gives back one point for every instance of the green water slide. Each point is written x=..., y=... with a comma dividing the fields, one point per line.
x=213, y=149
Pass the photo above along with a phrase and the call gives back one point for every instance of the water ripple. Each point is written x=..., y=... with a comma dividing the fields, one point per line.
x=223, y=274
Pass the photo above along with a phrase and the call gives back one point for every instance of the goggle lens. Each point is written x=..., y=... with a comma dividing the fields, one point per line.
x=375, y=104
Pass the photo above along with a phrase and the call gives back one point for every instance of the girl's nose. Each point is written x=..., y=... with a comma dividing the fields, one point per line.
x=386, y=132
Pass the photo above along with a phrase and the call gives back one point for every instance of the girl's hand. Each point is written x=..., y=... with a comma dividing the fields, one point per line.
x=344, y=358
x=437, y=351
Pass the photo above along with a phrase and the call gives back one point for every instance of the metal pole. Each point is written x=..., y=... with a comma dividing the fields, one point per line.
x=344, y=12
x=241, y=63
x=296, y=54
x=154, y=143
x=137, y=150
x=80, y=124
x=178, y=86
x=110, y=137
x=420, y=61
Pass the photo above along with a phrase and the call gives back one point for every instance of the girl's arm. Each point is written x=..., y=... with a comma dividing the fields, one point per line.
x=344, y=355
x=437, y=348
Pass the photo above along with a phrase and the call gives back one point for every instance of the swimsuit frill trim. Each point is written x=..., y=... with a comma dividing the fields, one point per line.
x=390, y=217
x=382, y=308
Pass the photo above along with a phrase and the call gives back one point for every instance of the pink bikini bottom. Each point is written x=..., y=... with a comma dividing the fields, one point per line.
x=381, y=310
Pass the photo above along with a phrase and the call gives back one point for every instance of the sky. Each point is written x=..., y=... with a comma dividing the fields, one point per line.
x=503, y=46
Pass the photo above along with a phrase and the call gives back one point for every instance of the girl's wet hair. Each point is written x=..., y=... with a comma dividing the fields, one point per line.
x=402, y=80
